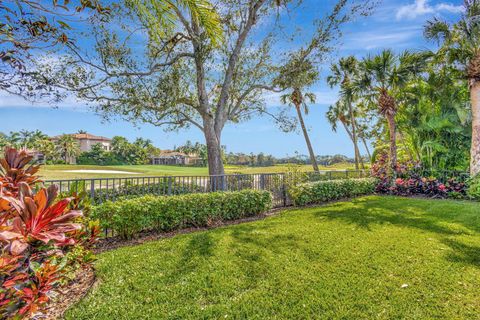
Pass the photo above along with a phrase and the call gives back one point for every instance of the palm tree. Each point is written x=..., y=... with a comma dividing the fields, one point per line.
x=296, y=75
x=68, y=147
x=299, y=100
x=460, y=47
x=342, y=74
x=159, y=15
x=382, y=79
x=340, y=112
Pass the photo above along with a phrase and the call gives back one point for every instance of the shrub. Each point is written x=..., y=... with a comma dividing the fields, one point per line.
x=416, y=185
x=165, y=213
x=41, y=236
x=322, y=191
x=474, y=187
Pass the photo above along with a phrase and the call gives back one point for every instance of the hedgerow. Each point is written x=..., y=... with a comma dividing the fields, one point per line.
x=129, y=217
x=322, y=191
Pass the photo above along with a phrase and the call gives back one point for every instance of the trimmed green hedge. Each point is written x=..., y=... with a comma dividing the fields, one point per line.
x=322, y=191
x=165, y=213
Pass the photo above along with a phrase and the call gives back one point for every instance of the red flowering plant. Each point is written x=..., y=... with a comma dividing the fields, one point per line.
x=38, y=232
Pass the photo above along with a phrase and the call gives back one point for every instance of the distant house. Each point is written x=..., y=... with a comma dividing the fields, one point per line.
x=169, y=157
x=86, y=141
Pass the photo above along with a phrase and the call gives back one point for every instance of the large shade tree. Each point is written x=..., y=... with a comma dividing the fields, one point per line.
x=182, y=77
x=460, y=47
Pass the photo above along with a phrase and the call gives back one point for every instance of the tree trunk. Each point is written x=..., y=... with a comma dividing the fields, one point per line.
x=355, y=145
x=475, y=147
x=214, y=149
x=366, y=148
x=354, y=134
x=393, y=142
x=307, y=139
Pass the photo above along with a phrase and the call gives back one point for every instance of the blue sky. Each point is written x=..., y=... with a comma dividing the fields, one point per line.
x=395, y=24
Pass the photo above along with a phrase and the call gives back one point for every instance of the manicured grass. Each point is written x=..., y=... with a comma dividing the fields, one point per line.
x=50, y=172
x=371, y=258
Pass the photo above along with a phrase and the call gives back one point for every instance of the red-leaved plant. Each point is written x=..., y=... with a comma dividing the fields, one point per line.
x=37, y=232
x=16, y=167
x=37, y=218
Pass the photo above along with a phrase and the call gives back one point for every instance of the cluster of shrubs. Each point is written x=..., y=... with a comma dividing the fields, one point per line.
x=44, y=239
x=322, y=191
x=129, y=217
x=429, y=187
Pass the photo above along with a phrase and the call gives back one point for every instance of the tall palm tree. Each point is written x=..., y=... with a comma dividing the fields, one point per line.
x=382, y=79
x=299, y=100
x=296, y=76
x=68, y=147
x=342, y=74
x=460, y=47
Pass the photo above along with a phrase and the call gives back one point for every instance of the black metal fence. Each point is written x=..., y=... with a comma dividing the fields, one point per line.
x=102, y=189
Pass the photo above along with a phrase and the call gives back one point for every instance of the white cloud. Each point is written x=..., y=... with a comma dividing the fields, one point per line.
x=13, y=101
x=388, y=37
x=422, y=7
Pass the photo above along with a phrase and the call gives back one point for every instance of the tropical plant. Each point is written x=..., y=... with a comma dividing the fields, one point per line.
x=38, y=233
x=16, y=167
x=162, y=16
x=460, y=48
x=37, y=218
x=382, y=78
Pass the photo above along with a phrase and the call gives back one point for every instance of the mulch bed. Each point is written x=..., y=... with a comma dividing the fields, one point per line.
x=70, y=293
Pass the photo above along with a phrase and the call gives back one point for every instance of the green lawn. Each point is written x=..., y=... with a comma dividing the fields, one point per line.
x=50, y=172
x=371, y=258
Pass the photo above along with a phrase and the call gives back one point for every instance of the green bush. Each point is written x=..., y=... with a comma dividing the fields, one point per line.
x=165, y=213
x=473, y=190
x=322, y=191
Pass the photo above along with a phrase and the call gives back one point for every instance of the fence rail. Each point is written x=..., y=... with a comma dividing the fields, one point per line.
x=102, y=189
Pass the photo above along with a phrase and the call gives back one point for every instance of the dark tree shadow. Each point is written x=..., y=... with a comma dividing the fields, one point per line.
x=366, y=213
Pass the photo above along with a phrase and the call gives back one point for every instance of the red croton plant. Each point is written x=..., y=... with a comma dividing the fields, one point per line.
x=37, y=232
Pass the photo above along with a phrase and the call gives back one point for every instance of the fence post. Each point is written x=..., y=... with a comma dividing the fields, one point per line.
x=92, y=190
x=262, y=181
x=169, y=192
x=224, y=183
x=284, y=189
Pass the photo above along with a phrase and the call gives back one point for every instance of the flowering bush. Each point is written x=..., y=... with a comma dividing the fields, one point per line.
x=38, y=232
x=415, y=185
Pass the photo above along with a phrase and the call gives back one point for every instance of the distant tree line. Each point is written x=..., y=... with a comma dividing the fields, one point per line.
x=261, y=159
x=66, y=147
